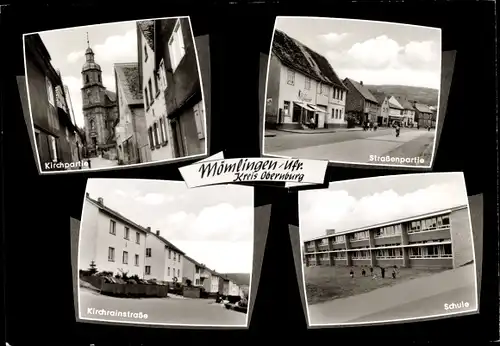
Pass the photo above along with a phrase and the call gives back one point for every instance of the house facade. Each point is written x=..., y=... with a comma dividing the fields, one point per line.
x=153, y=83
x=234, y=289
x=423, y=114
x=191, y=271
x=175, y=49
x=408, y=111
x=113, y=242
x=383, y=109
x=53, y=125
x=164, y=261
x=131, y=128
x=395, y=111
x=441, y=239
x=360, y=102
x=100, y=110
x=302, y=88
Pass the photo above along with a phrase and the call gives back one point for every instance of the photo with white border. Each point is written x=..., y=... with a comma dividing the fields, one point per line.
x=190, y=267
x=387, y=250
x=115, y=95
x=353, y=92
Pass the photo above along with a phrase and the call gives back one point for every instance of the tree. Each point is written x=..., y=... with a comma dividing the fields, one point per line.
x=93, y=268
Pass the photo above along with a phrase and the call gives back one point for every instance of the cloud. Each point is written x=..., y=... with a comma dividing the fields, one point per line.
x=336, y=209
x=75, y=56
x=152, y=198
x=222, y=222
x=333, y=37
x=378, y=52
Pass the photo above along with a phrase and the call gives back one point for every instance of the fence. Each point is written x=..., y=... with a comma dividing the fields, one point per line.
x=137, y=290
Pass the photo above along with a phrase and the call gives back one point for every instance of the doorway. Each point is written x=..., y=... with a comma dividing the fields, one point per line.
x=178, y=141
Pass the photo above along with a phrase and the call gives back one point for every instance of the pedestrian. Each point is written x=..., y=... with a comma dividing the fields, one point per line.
x=363, y=272
x=393, y=273
x=371, y=270
x=382, y=272
x=418, y=126
x=351, y=273
x=375, y=125
x=397, y=129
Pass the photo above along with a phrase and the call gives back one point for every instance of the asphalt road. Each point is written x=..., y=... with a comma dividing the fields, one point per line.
x=351, y=146
x=161, y=310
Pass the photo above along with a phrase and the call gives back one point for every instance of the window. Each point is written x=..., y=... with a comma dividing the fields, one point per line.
x=176, y=46
x=99, y=78
x=163, y=76
x=146, y=97
x=290, y=78
x=169, y=254
x=157, y=78
x=333, y=114
x=87, y=80
x=156, y=134
x=178, y=273
x=53, y=148
x=175, y=258
x=150, y=87
x=136, y=260
x=286, y=108
x=126, y=235
x=112, y=227
x=148, y=252
x=163, y=136
x=197, y=282
x=137, y=238
x=446, y=220
x=147, y=270
x=179, y=258
x=92, y=124
x=307, y=85
x=151, y=138
x=165, y=128
x=111, y=254
x=168, y=271
x=145, y=53
x=340, y=114
x=125, y=257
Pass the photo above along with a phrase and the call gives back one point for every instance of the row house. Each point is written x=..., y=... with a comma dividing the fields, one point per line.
x=434, y=115
x=131, y=128
x=408, y=111
x=395, y=111
x=170, y=80
x=383, y=109
x=110, y=240
x=56, y=134
x=360, y=102
x=423, y=114
x=192, y=271
x=302, y=87
x=164, y=261
x=440, y=239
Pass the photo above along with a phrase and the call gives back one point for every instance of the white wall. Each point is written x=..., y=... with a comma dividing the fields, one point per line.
x=104, y=239
x=158, y=107
x=173, y=266
x=214, y=284
x=88, y=235
x=157, y=260
x=314, y=95
x=234, y=289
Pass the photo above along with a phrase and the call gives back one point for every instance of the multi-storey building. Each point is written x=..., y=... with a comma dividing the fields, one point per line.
x=175, y=48
x=55, y=130
x=131, y=127
x=395, y=111
x=423, y=114
x=110, y=240
x=302, y=86
x=383, y=109
x=191, y=271
x=408, y=111
x=164, y=260
x=438, y=239
x=360, y=102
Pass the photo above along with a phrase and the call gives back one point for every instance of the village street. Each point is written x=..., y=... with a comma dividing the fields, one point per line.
x=99, y=162
x=354, y=146
x=171, y=310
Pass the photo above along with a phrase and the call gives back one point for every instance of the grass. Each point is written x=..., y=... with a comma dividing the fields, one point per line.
x=329, y=283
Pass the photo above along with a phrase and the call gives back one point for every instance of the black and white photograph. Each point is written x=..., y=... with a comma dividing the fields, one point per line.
x=113, y=95
x=352, y=92
x=388, y=249
x=154, y=252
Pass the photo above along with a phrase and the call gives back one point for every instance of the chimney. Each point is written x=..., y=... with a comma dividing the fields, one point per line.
x=330, y=231
x=100, y=200
x=158, y=232
x=148, y=229
x=361, y=82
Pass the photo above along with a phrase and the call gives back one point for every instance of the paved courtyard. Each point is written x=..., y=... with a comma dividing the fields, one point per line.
x=162, y=310
x=355, y=146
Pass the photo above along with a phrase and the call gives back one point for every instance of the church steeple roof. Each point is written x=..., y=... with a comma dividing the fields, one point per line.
x=90, y=64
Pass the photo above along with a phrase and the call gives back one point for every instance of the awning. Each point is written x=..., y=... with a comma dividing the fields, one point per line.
x=317, y=109
x=305, y=106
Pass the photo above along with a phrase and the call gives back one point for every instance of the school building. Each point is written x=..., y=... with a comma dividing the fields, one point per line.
x=441, y=239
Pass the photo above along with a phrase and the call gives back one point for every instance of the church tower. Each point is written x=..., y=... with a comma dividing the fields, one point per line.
x=94, y=104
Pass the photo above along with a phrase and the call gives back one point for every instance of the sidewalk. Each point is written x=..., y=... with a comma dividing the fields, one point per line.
x=352, y=308
x=320, y=131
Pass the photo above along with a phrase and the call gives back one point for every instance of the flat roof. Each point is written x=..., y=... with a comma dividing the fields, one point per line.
x=390, y=223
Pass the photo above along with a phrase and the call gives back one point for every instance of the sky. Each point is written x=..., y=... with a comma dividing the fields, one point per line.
x=112, y=43
x=373, y=52
x=213, y=225
x=357, y=203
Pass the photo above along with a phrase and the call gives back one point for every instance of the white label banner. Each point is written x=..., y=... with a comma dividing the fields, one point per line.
x=217, y=170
